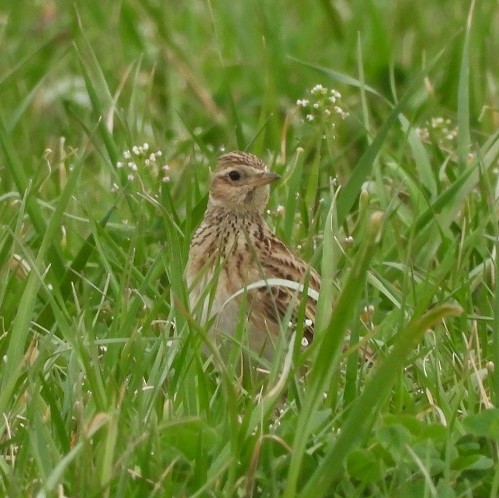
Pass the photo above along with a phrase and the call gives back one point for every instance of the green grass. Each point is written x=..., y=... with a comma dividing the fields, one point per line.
x=105, y=386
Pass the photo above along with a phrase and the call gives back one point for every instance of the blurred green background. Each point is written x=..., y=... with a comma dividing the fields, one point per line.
x=178, y=67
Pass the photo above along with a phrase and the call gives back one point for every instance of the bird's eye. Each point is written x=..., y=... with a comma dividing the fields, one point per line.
x=235, y=175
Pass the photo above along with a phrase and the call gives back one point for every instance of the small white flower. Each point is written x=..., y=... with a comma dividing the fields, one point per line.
x=308, y=322
x=130, y=177
x=119, y=165
x=165, y=167
x=436, y=122
x=327, y=112
x=280, y=210
x=158, y=153
x=310, y=117
x=423, y=134
x=127, y=154
x=152, y=157
x=147, y=162
x=340, y=111
x=316, y=105
x=318, y=90
x=165, y=179
x=135, y=150
x=145, y=146
x=134, y=167
x=302, y=102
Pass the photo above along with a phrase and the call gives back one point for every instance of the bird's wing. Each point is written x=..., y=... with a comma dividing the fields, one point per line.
x=277, y=261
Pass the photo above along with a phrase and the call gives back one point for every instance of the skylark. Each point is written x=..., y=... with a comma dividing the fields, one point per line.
x=234, y=248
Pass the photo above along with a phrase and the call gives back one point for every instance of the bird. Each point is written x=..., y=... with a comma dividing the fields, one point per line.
x=235, y=257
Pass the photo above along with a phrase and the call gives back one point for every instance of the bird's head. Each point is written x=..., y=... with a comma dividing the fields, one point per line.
x=241, y=183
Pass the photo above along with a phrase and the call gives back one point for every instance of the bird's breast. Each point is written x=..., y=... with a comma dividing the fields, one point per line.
x=221, y=257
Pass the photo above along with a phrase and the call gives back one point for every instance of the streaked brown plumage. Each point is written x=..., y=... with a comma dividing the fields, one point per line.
x=235, y=246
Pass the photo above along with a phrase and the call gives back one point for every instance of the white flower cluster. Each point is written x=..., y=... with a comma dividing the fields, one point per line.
x=139, y=159
x=323, y=105
x=439, y=130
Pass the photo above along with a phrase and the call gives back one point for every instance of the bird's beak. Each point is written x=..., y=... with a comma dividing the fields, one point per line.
x=265, y=178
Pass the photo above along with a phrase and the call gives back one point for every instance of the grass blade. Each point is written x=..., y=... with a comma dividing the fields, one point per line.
x=372, y=396
x=21, y=324
x=330, y=341
x=351, y=189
